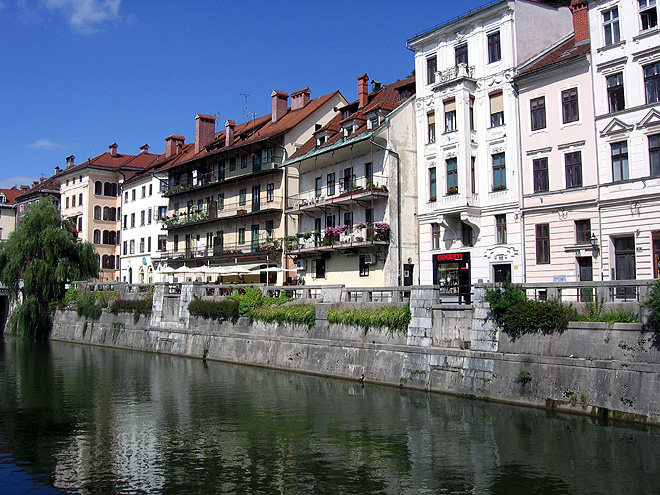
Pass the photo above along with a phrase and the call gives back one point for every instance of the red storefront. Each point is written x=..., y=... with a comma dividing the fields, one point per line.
x=451, y=271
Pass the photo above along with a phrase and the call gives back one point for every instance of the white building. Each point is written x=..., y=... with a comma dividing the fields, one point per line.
x=625, y=47
x=469, y=176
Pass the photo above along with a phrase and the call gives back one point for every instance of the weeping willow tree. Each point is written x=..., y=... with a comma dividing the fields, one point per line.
x=43, y=254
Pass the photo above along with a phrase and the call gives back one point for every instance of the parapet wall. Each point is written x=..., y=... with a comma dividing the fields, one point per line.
x=591, y=368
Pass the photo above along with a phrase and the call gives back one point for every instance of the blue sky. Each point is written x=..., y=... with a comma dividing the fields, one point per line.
x=78, y=75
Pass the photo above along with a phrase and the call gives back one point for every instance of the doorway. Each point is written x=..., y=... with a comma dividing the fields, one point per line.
x=502, y=273
x=624, y=259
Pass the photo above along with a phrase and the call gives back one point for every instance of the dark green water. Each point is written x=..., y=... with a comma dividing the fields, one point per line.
x=91, y=420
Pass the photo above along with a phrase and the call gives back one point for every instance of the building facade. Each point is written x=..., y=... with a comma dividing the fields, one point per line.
x=356, y=193
x=469, y=174
x=8, y=211
x=625, y=49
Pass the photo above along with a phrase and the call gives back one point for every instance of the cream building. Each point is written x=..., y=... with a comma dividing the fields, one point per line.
x=469, y=171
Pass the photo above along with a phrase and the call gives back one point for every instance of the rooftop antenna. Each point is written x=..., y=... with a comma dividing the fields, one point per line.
x=246, y=111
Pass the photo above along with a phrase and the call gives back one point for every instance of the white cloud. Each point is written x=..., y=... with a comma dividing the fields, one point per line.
x=45, y=144
x=84, y=16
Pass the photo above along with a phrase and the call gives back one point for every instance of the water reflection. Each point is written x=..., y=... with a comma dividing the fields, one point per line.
x=94, y=420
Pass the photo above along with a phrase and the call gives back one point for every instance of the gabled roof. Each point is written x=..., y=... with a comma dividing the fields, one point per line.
x=387, y=98
x=107, y=161
x=162, y=163
x=50, y=185
x=260, y=129
x=11, y=195
x=565, y=51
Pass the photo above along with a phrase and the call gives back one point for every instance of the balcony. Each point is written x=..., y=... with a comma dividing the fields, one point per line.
x=256, y=249
x=346, y=191
x=222, y=212
x=336, y=238
x=452, y=75
x=213, y=178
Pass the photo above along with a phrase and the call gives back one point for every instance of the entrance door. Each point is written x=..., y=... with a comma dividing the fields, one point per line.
x=624, y=259
x=502, y=273
x=254, y=239
x=585, y=267
x=656, y=254
x=408, y=274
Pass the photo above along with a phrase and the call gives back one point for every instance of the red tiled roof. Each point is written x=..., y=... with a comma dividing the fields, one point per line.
x=562, y=53
x=51, y=185
x=106, y=160
x=11, y=195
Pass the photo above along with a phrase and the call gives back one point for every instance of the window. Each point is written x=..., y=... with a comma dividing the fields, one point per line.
x=125, y=223
x=430, y=118
x=269, y=229
x=97, y=236
x=496, y=109
x=241, y=235
x=330, y=221
x=149, y=216
x=652, y=82
x=540, y=175
x=149, y=244
x=131, y=245
x=317, y=187
x=132, y=220
x=242, y=197
x=537, y=109
x=97, y=213
x=125, y=195
x=125, y=248
x=620, y=161
x=232, y=164
x=349, y=179
x=73, y=200
x=142, y=217
x=499, y=172
x=542, y=244
x=80, y=199
x=569, y=105
x=162, y=243
x=369, y=173
x=175, y=242
x=221, y=170
x=109, y=189
x=270, y=193
x=432, y=184
x=98, y=188
x=221, y=201
x=319, y=269
x=648, y=14
x=494, y=49
x=144, y=191
x=243, y=161
x=364, y=266
x=348, y=221
x=151, y=189
x=141, y=245
x=330, y=184
x=500, y=228
x=435, y=235
x=583, y=231
x=573, y=169
x=66, y=202
x=431, y=68
x=466, y=235
x=615, y=92
x=473, y=174
x=133, y=195
x=450, y=115
x=461, y=54
x=80, y=223
x=452, y=176
x=471, y=110
x=654, y=154
x=611, y=26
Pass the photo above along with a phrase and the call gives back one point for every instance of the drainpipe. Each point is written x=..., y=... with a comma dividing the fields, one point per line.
x=520, y=185
x=398, y=199
x=284, y=196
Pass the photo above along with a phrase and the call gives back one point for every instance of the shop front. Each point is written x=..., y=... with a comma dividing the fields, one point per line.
x=451, y=271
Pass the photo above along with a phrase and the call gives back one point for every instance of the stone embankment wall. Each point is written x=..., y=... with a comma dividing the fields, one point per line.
x=609, y=371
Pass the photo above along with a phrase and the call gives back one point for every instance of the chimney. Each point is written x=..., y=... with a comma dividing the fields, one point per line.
x=279, y=99
x=35, y=183
x=57, y=170
x=376, y=85
x=229, y=132
x=25, y=188
x=300, y=98
x=204, y=131
x=173, y=145
x=113, y=149
x=144, y=149
x=363, y=90
x=579, y=9
x=69, y=161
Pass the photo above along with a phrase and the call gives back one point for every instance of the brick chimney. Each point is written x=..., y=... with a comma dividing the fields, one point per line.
x=144, y=149
x=579, y=9
x=57, y=170
x=113, y=149
x=300, y=98
x=25, y=188
x=229, y=132
x=363, y=90
x=173, y=145
x=280, y=103
x=204, y=131
x=69, y=161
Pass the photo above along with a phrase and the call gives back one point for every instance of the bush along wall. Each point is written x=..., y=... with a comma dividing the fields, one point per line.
x=214, y=310
x=392, y=318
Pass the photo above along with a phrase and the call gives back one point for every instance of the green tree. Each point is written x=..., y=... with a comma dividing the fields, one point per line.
x=42, y=253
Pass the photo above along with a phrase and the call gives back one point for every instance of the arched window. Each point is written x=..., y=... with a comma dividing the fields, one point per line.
x=98, y=188
x=113, y=214
x=141, y=275
x=97, y=212
x=106, y=213
x=97, y=236
x=118, y=238
x=105, y=237
x=150, y=275
x=109, y=189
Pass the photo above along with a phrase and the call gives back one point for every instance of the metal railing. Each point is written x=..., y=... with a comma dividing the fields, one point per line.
x=226, y=249
x=342, y=189
x=226, y=209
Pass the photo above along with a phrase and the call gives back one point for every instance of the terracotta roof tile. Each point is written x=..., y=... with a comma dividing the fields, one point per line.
x=563, y=52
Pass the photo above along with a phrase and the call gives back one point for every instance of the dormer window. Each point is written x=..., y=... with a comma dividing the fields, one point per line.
x=3, y=199
x=345, y=113
x=320, y=140
x=374, y=122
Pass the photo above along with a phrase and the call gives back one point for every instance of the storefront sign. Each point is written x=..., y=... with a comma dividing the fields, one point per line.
x=449, y=257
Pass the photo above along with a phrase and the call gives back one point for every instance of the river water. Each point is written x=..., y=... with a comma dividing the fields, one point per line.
x=81, y=419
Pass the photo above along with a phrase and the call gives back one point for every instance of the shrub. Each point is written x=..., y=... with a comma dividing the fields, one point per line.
x=516, y=315
x=86, y=306
x=138, y=307
x=304, y=314
x=214, y=310
x=252, y=298
x=652, y=303
x=395, y=319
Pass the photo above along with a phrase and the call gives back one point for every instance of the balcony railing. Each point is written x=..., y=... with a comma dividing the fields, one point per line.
x=345, y=190
x=249, y=248
x=222, y=211
x=210, y=178
x=318, y=241
x=451, y=74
